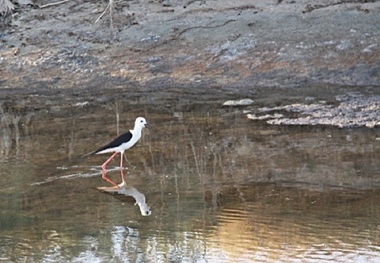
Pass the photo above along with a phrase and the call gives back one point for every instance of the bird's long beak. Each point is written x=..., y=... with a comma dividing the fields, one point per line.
x=147, y=126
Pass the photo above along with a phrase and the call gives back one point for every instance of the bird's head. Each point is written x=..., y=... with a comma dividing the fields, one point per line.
x=141, y=122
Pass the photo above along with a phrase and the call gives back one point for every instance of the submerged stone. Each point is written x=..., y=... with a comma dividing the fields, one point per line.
x=242, y=102
x=353, y=110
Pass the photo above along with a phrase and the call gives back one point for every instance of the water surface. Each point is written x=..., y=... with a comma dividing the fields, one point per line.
x=220, y=187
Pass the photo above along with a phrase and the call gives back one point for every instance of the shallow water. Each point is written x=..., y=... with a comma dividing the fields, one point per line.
x=220, y=187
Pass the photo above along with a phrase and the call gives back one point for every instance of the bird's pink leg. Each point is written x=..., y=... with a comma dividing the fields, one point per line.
x=104, y=167
x=121, y=169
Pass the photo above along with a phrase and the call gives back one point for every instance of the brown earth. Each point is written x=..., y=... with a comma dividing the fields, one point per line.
x=198, y=47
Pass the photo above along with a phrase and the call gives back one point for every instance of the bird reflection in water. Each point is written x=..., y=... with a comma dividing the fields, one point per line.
x=130, y=191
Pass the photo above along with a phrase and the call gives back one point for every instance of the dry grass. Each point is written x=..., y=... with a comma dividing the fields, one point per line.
x=109, y=9
x=6, y=7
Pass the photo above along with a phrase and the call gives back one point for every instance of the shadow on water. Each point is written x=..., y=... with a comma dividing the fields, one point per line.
x=217, y=186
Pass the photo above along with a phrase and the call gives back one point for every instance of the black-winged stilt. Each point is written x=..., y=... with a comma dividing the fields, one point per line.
x=119, y=145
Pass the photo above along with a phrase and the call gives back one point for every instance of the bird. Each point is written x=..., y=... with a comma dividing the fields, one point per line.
x=120, y=144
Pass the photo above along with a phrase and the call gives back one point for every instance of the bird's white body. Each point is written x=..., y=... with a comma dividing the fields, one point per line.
x=134, y=136
x=119, y=145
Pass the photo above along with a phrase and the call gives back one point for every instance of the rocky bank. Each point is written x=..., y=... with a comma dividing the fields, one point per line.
x=200, y=45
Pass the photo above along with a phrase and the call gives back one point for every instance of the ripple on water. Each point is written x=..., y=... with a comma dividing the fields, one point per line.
x=260, y=231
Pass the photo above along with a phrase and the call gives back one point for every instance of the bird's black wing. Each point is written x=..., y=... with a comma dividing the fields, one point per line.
x=123, y=138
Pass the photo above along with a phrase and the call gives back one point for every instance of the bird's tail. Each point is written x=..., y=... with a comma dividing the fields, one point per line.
x=88, y=154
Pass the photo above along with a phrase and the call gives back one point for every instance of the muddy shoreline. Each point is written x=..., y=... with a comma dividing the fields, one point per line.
x=276, y=53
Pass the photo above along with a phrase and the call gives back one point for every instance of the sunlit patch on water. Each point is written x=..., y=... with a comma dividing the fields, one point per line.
x=274, y=228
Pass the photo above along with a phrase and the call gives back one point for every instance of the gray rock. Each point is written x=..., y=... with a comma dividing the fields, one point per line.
x=354, y=110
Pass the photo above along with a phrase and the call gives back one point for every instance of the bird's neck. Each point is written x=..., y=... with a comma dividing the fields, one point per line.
x=136, y=131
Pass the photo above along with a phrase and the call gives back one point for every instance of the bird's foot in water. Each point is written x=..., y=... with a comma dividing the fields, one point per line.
x=113, y=189
x=122, y=185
